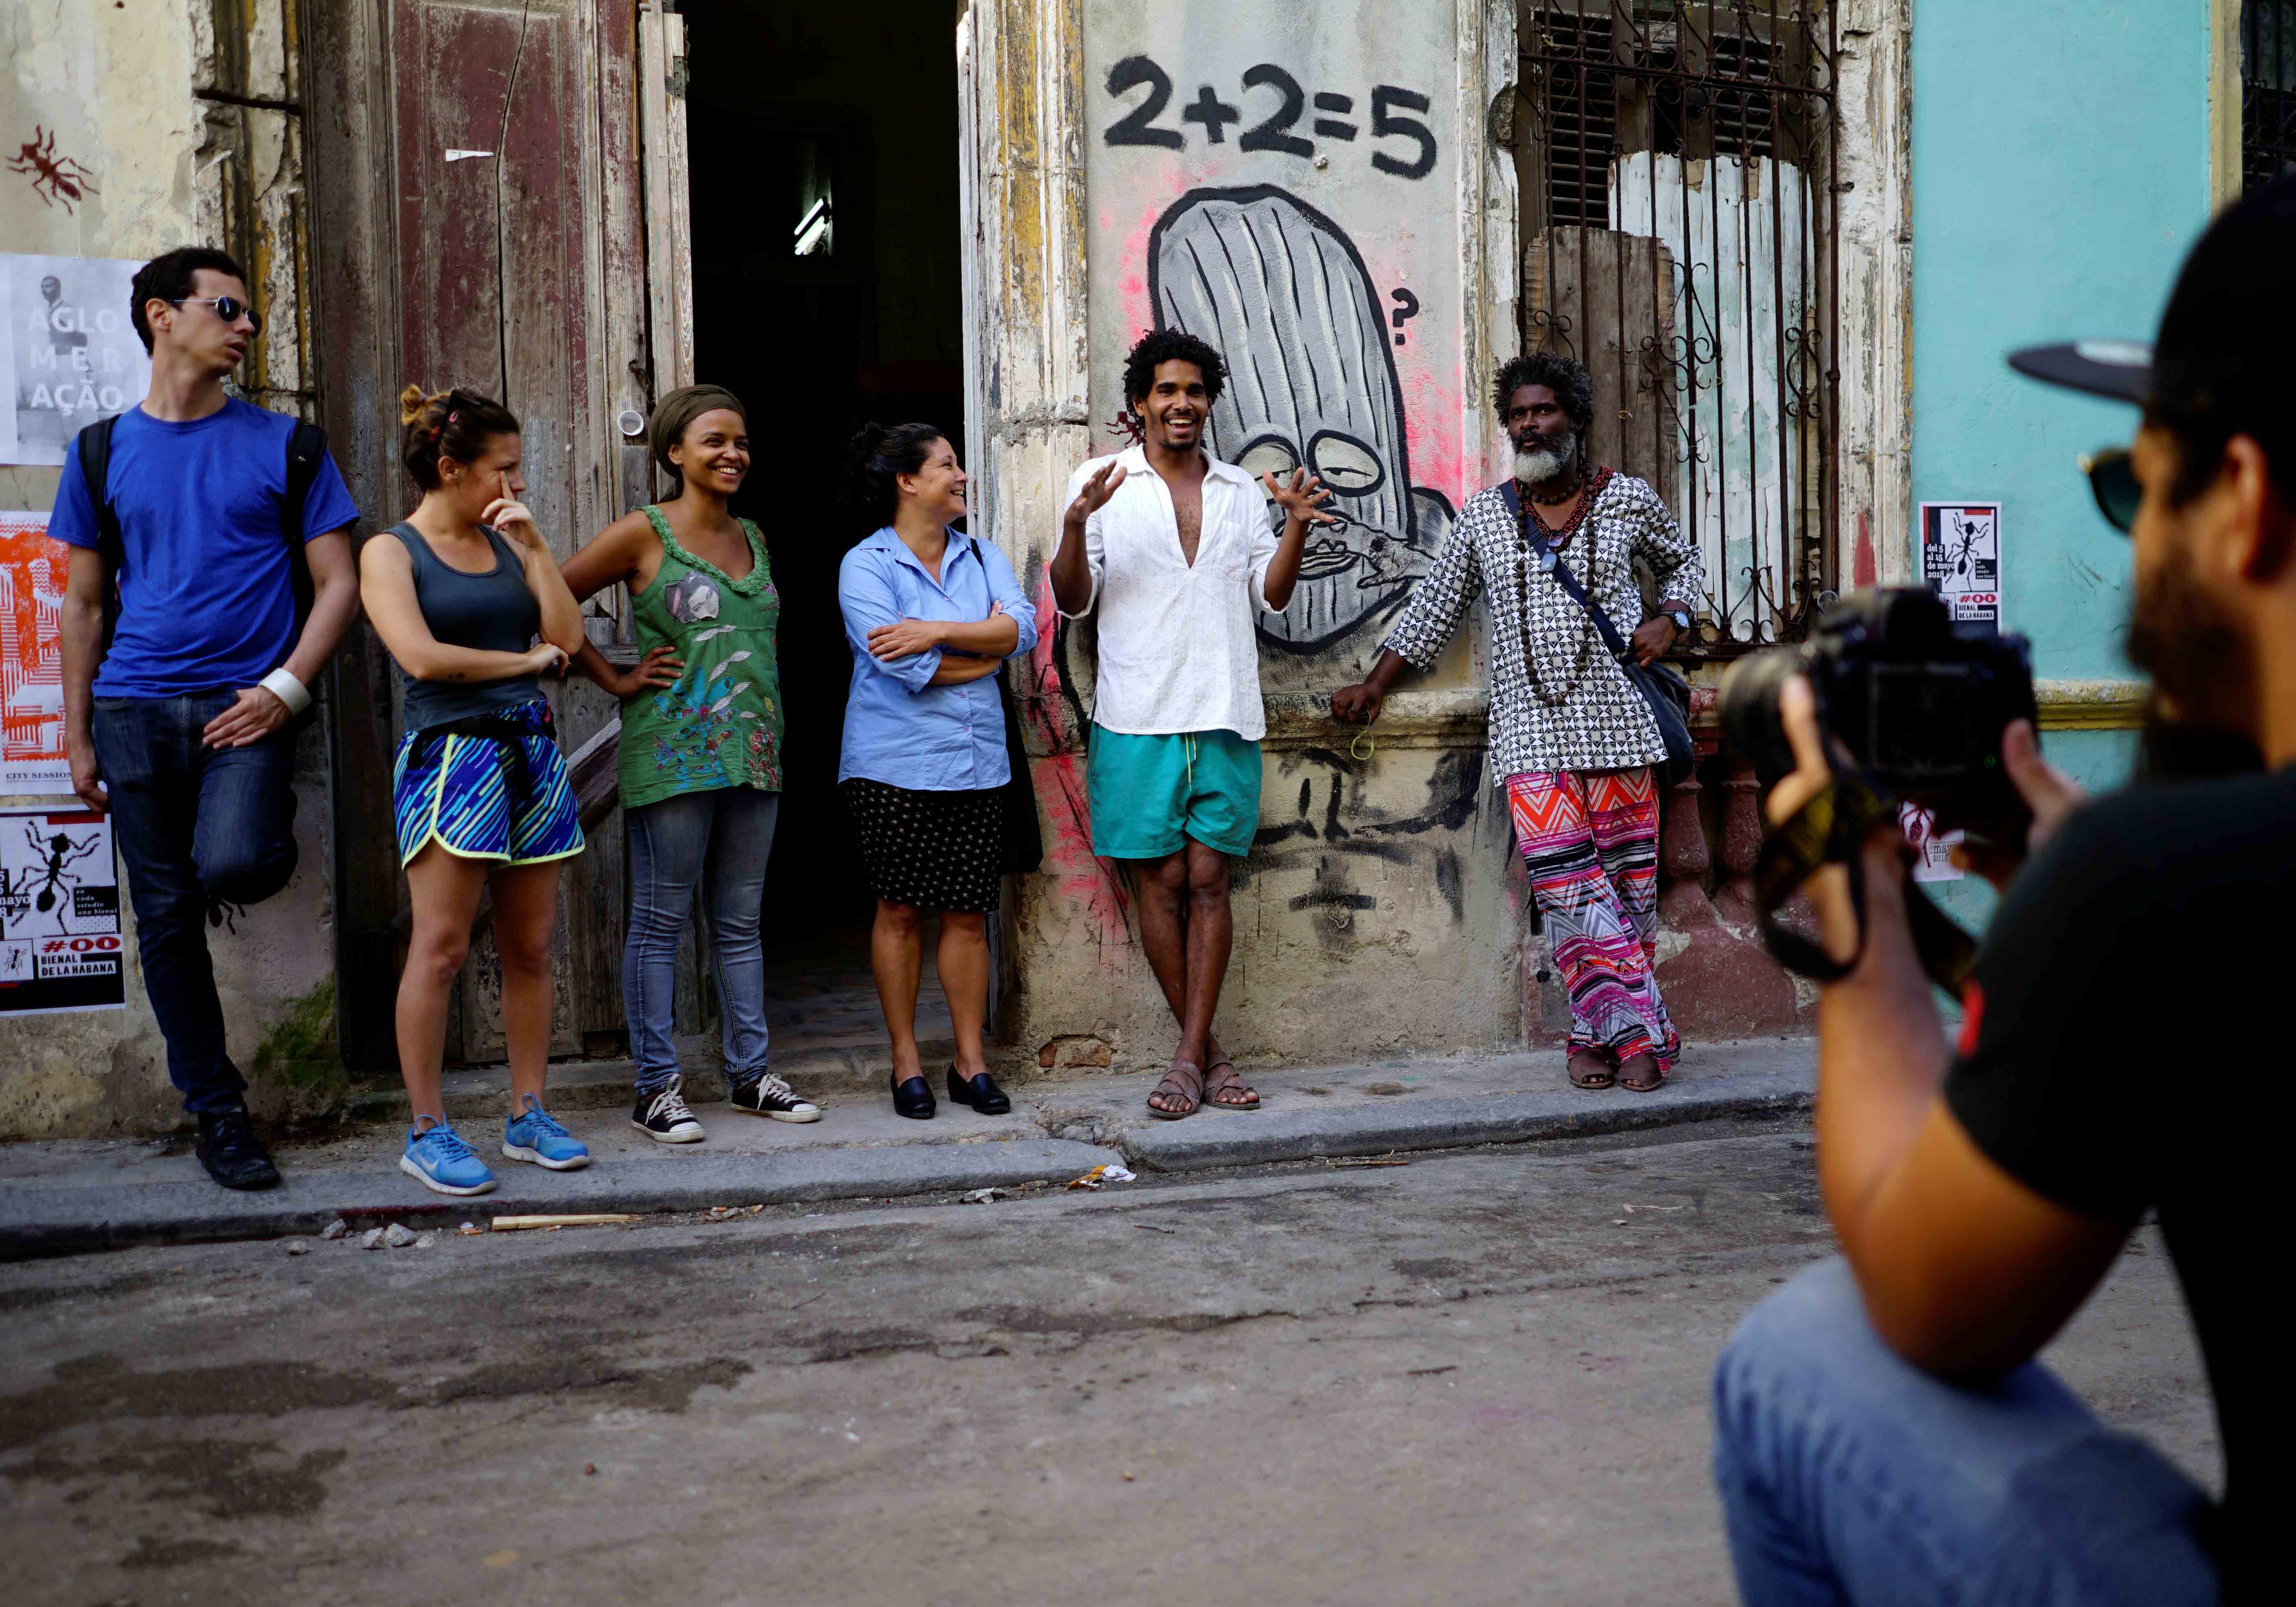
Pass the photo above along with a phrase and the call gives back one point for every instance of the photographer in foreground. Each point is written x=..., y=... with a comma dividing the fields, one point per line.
x=1883, y=1432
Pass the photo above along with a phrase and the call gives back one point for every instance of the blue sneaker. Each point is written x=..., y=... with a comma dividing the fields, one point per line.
x=537, y=1136
x=440, y=1160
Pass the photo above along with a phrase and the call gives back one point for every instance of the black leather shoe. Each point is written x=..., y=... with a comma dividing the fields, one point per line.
x=914, y=1099
x=980, y=1092
x=232, y=1154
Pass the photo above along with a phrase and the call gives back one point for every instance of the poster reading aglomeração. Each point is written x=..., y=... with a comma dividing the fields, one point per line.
x=69, y=353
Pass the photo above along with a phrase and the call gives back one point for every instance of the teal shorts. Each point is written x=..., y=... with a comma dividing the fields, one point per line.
x=1150, y=794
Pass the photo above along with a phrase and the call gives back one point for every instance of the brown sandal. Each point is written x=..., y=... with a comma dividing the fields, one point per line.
x=1645, y=1066
x=1183, y=1081
x=1589, y=1069
x=1215, y=1085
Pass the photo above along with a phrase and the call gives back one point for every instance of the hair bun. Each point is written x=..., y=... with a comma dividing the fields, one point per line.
x=412, y=401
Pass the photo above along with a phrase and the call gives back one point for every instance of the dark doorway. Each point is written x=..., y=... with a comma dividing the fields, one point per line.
x=827, y=291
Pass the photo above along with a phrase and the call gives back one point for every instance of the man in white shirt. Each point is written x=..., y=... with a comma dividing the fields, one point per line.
x=1176, y=548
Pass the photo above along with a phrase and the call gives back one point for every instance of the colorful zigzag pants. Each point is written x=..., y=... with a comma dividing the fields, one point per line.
x=1589, y=842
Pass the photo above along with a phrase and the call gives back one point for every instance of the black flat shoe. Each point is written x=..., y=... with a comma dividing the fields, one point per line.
x=232, y=1153
x=980, y=1092
x=913, y=1098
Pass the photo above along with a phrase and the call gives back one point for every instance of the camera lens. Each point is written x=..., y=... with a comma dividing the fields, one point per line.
x=1750, y=710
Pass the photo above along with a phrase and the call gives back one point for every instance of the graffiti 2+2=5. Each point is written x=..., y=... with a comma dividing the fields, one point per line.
x=1138, y=126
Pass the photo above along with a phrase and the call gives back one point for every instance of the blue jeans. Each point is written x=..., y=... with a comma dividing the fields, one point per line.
x=717, y=841
x=197, y=827
x=1849, y=1475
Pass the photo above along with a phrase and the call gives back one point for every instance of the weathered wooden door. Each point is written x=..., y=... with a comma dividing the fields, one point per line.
x=479, y=225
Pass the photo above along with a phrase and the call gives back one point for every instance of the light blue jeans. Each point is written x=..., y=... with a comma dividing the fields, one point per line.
x=1849, y=1475
x=718, y=842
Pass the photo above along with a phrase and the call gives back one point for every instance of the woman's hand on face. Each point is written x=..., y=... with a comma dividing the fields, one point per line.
x=546, y=660
x=905, y=639
x=515, y=521
x=662, y=667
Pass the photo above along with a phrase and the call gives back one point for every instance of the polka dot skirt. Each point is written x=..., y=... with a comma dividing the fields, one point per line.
x=933, y=850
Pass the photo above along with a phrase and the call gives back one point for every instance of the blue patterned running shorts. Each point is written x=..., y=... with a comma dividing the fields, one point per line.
x=493, y=788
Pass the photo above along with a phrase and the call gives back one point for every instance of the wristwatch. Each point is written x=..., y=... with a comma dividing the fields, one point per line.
x=1681, y=618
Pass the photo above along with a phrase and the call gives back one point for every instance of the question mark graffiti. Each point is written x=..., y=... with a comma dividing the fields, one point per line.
x=1406, y=307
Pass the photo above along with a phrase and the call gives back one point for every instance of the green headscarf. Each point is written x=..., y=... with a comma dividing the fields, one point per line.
x=677, y=411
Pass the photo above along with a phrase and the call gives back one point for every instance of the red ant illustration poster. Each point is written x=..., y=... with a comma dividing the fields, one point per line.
x=1961, y=559
x=32, y=573
x=59, y=943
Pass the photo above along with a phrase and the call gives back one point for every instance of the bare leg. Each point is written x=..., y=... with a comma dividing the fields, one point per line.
x=1164, y=938
x=963, y=958
x=896, y=954
x=525, y=909
x=1211, y=934
x=445, y=892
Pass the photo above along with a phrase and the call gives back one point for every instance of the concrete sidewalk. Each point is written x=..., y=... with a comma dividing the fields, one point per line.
x=60, y=1197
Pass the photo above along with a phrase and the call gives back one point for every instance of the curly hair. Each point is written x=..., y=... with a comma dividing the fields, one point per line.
x=456, y=423
x=1572, y=385
x=1160, y=345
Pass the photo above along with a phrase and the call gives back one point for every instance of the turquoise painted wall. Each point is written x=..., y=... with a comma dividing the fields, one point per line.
x=2060, y=172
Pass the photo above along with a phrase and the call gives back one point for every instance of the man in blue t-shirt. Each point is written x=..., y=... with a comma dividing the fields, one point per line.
x=180, y=727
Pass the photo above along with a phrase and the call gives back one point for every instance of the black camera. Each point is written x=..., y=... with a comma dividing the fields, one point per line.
x=1919, y=702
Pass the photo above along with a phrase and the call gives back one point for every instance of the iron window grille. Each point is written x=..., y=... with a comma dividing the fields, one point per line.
x=1677, y=174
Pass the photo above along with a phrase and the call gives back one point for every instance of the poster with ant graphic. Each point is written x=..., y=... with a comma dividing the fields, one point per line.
x=59, y=943
x=1961, y=559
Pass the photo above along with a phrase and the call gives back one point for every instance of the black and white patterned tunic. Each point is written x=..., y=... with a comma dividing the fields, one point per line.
x=1600, y=724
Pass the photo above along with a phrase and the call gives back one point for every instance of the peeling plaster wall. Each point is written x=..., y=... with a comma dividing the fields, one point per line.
x=185, y=116
x=1380, y=910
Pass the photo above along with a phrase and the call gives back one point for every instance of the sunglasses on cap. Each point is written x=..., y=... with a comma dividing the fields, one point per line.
x=2113, y=481
x=231, y=309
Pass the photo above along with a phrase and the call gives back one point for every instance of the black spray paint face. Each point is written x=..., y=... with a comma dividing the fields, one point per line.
x=1284, y=295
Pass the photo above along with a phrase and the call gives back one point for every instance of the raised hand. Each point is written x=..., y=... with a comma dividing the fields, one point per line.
x=1302, y=498
x=1096, y=491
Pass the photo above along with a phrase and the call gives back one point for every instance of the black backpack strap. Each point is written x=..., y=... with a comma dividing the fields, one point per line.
x=1558, y=571
x=95, y=445
x=307, y=449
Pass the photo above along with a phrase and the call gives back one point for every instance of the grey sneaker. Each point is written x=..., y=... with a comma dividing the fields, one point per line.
x=769, y=1095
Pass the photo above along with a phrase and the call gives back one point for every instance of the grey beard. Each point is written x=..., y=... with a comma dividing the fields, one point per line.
x=1544, y=462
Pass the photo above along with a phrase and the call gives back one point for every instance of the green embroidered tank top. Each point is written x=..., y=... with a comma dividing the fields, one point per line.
x=720, y=725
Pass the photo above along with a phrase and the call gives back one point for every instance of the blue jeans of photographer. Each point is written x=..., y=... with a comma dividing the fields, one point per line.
x=716, y=843
x=1849, y=1475
x=197, y=828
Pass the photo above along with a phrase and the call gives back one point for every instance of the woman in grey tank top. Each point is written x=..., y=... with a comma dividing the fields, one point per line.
x=458, y=593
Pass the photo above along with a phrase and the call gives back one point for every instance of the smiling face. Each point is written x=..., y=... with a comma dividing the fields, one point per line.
x=193, y=333
x=714, y=453
x=1175, y=406
x=937, y=489
x=470, y=488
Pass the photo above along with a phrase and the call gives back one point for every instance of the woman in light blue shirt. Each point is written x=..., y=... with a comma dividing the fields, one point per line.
x=933, y=614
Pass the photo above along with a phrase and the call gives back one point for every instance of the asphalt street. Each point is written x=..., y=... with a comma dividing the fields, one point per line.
x=1478, y=1377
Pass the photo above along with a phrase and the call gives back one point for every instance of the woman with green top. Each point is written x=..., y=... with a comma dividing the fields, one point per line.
x=700, y=751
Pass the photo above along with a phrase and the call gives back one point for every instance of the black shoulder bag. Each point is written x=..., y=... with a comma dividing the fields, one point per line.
x=1664, y=690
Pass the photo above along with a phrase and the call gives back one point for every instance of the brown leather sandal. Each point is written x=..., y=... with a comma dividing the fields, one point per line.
x=1183, y=1081
x=1642, y=1074
x=1589, y=1069
x=1216, y=1084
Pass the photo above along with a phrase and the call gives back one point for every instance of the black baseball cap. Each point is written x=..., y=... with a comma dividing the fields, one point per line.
x=2226, y=347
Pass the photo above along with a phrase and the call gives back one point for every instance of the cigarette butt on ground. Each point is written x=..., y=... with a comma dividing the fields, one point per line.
x=510, y=1224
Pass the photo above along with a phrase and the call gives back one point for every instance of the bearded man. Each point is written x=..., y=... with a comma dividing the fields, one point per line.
x=1883, y=1431
x=1570, y=737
